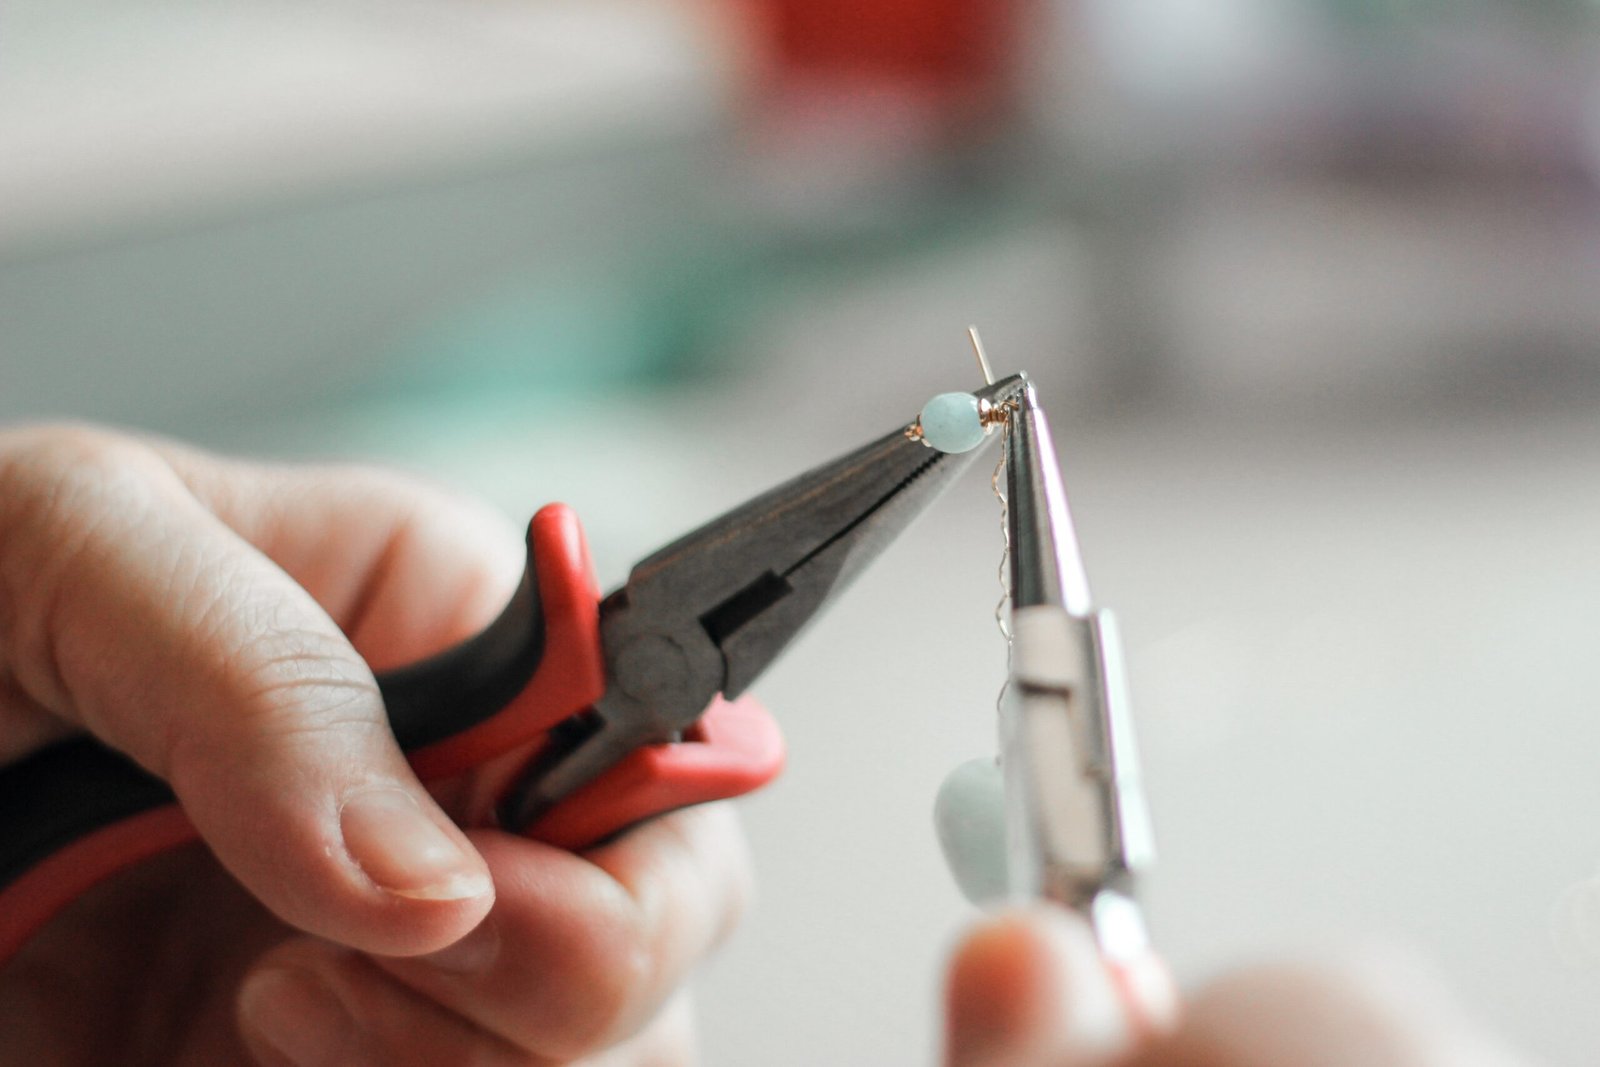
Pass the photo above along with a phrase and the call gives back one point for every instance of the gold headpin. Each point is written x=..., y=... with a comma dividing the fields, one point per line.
x=983, y=358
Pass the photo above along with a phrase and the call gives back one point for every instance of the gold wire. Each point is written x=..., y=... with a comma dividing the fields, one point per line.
x=1005, y=536
x=1000, y=612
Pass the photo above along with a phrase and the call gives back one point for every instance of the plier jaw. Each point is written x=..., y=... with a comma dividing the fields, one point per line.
x=1078, y=829
x=704, y=616
x=734, y=593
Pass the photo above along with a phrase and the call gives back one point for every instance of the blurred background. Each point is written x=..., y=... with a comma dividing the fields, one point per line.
x=1309, y=288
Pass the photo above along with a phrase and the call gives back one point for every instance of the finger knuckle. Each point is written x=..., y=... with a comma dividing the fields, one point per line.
x=41, y=457
x=721, y=835
x=416, y=502
x=310, y=699
x=611, y=987
x=613, y=1001
x=295, y=689
x=406, y=496
x=57, y=481
x=58, y=485
x=709, y=868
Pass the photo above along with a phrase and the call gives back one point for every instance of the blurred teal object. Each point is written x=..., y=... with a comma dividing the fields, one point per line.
x=669, y=310
x=563, y=331
x=528, y=333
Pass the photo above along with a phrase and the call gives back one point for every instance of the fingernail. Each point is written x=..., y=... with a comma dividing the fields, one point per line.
x=295, y=1013
x=473, y=954
x=405, y=852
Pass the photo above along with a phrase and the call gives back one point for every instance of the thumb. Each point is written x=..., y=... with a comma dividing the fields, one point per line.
x=1028, y=988
x=132, y=611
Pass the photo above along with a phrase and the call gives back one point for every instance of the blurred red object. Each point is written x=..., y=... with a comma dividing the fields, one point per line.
x=959, y=56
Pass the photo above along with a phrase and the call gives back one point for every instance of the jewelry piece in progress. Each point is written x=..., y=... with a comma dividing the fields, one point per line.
x=1062, y=815
x=959, y=422
x=969, y=812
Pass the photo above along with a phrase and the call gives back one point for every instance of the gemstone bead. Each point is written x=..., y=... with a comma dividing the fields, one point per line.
x=952, y=422
x=970, y=817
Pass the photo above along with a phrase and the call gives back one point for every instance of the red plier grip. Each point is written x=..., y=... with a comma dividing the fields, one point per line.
x=76, y=813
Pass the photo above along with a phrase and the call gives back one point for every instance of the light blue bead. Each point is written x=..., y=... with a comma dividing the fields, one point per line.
x=970, y=817
x=951, y=422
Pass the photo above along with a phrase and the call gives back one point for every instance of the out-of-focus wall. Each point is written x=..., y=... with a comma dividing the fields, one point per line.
x=225, y=210
x=210, y=214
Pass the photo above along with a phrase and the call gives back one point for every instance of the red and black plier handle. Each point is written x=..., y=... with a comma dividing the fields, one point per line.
x=78, y=812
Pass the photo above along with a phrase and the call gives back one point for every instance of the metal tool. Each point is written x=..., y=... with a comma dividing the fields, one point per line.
x=579, y=717
x=1077, y=827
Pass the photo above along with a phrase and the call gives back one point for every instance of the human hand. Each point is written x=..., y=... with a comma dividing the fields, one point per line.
x=1029, y=989
x=219, y=622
